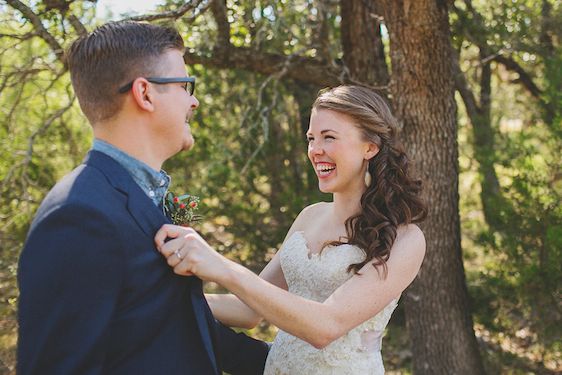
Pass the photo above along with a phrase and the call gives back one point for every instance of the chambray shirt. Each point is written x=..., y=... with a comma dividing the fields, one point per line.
x=155, y=184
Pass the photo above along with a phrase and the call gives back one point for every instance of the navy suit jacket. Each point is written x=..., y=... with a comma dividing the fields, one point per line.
x=96, y=297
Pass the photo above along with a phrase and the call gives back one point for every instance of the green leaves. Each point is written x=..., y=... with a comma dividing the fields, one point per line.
x=181, y=208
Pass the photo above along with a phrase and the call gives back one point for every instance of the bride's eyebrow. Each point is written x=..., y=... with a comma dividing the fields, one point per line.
x=309, y=134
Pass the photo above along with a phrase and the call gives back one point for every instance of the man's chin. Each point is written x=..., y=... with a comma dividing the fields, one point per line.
x=188, y=144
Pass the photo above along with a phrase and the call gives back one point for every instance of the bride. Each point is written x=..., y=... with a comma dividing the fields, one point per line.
x=337, y=278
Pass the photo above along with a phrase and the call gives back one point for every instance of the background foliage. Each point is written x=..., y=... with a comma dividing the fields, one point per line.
x=250, y=168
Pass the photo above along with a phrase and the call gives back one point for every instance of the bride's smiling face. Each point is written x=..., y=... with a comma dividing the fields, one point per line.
x=338, y=152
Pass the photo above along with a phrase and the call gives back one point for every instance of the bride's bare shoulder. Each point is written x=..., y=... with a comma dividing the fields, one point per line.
x=316, y=209
x=310, y=214
x=410, y=239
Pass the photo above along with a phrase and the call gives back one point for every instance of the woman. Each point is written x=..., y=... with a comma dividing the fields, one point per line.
x=336, y=280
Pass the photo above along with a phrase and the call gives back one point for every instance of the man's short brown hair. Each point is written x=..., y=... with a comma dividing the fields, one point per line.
x=113, y=55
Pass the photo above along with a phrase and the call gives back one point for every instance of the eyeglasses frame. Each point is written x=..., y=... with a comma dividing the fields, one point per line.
x=162, y=81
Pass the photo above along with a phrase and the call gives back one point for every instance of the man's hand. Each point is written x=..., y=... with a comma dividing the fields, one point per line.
x=189, y=254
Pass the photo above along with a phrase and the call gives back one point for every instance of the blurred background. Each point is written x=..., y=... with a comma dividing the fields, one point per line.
x=476, y=86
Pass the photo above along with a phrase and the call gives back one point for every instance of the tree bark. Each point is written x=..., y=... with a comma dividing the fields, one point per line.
x=363, y=50
x=422, y=87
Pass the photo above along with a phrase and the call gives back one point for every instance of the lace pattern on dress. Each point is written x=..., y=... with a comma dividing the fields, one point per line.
x=316, y=277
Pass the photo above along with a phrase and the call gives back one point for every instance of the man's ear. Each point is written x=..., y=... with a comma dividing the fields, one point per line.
x=143, y=94
x=372, y=150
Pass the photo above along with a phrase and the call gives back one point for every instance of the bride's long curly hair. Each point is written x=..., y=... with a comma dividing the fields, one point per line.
x=393, y=197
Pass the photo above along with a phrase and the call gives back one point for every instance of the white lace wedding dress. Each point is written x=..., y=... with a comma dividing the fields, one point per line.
x=316, y=277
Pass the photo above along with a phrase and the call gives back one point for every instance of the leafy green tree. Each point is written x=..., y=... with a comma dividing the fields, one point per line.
x=511, y=96
x=259, y=65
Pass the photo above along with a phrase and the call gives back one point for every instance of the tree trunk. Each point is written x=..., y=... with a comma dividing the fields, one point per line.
x=493, y=203
x=363, y=50
x=422, y=87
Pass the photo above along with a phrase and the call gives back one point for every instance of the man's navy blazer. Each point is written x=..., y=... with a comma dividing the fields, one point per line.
x=96, y=297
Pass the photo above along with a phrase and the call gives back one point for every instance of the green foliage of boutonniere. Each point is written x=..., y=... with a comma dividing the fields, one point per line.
x=181, y=208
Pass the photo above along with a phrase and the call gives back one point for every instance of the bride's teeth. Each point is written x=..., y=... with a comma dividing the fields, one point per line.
x=325, y=168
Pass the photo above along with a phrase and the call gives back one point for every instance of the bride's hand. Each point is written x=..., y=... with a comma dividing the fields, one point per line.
x=189, y=254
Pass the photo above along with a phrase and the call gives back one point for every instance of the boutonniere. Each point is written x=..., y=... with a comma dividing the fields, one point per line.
x=181, y=208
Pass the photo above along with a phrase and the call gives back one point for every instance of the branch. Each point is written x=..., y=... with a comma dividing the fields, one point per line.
x=35, y=20
x=16, y=80
x=464, y=89
x=524, y=78
x=479, y=39
x=24, y=164
x=46, y=126
x=23, y=37
x=304, y=69
x=485, y=87
x=78, y=26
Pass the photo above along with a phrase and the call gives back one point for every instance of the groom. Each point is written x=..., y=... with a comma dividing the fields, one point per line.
x=95, y=295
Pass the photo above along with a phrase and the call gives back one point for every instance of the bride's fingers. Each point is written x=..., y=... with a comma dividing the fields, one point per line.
x=169, y=231
x=182, y=269
x=176, y=257
x=174, y=251
x=172, y=246
x=166, y=231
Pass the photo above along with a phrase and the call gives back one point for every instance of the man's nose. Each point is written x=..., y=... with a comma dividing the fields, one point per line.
x=195, y=102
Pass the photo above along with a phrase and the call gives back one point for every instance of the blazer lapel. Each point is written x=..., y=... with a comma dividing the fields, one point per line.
x=147, y=215
x=145, y=212
x=150, y=218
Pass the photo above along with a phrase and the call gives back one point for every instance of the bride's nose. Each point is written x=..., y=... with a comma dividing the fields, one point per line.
x=315, y=149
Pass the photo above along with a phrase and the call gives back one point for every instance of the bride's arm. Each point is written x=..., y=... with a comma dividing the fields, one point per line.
x=357, y=300
x=232, y=312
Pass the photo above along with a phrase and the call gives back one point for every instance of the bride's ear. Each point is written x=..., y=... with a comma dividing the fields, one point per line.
x=372, y=150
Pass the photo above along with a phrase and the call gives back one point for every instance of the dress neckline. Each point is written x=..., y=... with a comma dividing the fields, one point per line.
x=313, y=255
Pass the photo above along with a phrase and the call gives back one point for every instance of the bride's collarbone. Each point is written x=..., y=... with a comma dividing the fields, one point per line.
x=316, y=241
x=321, y=229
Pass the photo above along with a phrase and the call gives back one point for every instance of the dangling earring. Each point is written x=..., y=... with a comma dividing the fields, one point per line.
x=368, y=179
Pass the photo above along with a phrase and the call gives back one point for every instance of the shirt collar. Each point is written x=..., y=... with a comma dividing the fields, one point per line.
x=154, y=183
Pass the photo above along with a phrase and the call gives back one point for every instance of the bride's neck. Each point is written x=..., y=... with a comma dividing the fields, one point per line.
x=345, y=206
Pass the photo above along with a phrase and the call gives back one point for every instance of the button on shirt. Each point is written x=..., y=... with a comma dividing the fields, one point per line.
x=154, y=183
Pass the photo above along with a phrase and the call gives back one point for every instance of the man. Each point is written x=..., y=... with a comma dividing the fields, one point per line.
x=95, y=295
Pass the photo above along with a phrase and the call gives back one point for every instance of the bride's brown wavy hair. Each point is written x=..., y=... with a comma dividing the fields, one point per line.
x=393, y=198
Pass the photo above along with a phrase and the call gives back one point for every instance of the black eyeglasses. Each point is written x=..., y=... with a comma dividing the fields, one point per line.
x=188, y=83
